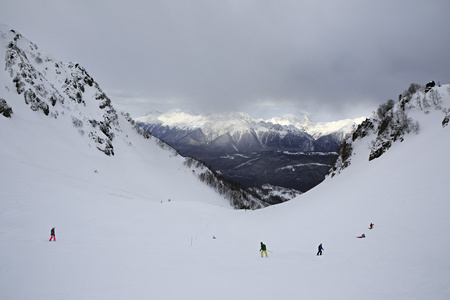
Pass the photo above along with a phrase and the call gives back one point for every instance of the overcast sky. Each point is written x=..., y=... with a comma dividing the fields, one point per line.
x=329, y=59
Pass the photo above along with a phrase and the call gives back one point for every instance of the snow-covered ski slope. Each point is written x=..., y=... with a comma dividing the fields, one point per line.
x=119, y=237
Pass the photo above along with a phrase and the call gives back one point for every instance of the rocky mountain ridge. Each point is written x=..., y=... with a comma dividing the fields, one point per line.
x=33, y=85
x=240, y=133
x=393, y=121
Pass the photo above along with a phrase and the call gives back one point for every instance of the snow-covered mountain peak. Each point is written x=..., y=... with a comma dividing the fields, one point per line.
x=317, y=129
x=175, y=117
x=180, y=118
x=291, y=119
x=214, y=125
x=323, y=128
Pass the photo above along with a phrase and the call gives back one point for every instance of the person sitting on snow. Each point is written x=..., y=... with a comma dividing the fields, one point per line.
x=362, y=236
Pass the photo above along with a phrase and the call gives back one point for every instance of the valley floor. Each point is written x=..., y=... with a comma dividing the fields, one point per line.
x=120, y=247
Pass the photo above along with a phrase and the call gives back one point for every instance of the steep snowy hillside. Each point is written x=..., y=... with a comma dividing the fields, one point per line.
x=39, y=92
x=393, y=121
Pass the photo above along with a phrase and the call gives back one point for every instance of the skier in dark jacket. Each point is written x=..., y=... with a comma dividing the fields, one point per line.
x=320, y=250
x=52, y=235
x=263, y=249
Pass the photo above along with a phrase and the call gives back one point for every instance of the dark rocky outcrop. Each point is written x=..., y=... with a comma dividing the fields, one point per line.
x=429, y=86
x=5, y=110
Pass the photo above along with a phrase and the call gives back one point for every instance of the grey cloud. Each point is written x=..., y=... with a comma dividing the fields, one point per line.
x=337, y=59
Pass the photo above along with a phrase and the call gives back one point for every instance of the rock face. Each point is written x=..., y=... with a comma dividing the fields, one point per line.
x=5, y=110
x=429, y=86
x=54, y=87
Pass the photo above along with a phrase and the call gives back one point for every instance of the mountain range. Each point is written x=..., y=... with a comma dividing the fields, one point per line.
x=290, y=152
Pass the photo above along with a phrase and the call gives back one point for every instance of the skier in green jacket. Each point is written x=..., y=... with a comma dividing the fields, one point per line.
x=263, y=249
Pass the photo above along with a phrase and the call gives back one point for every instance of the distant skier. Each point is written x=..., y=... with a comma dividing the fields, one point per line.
x=361, y=236
x=52, y=235
x=371, y=226
x=320, y=250
x=263, y=249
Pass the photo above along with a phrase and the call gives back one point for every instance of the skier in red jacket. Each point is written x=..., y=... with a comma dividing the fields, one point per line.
x=52, y=235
